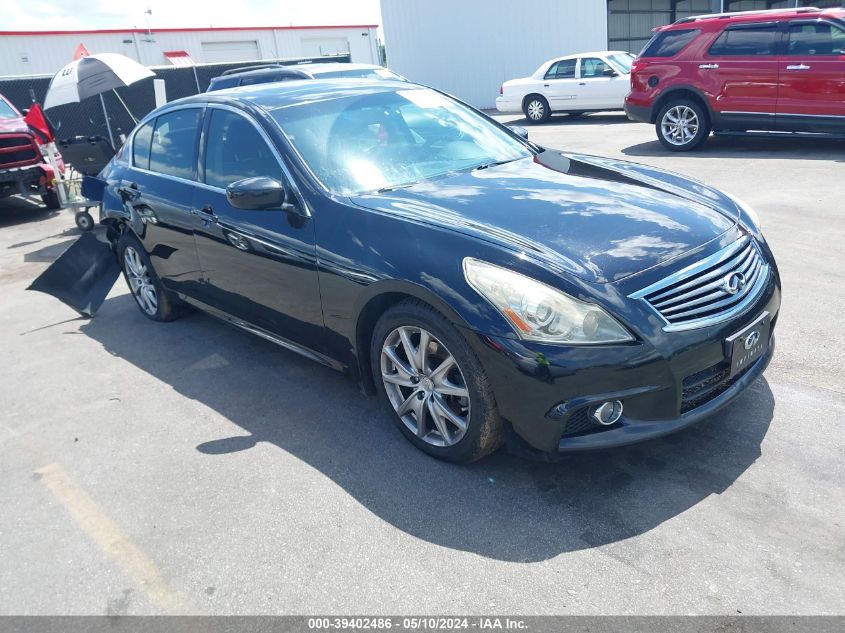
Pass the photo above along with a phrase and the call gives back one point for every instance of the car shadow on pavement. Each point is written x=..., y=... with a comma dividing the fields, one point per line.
x=18, y=210
x=604, y=118
x=501, y=507
x=745, y=147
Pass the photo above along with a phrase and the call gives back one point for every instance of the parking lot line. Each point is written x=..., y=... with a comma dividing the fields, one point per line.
x=109, y=537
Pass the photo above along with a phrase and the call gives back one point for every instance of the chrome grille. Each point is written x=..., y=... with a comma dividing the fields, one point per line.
x=710, y=291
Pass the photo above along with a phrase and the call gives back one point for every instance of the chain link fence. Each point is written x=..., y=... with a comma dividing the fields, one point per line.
x=87, y=119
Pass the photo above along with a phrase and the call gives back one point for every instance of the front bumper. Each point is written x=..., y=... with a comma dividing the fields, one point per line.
x=545, y=393
x=25, y=180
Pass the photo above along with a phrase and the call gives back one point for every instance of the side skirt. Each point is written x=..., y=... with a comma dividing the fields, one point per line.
x=269, y=336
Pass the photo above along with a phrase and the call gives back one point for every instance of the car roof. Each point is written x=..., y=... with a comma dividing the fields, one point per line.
x=590, y=54
x=754, y=16
x=268, y=70
x=333, y=66
x=270, y=96
x=294, y=69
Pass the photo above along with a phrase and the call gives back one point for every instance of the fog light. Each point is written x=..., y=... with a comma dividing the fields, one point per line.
x=608, y=413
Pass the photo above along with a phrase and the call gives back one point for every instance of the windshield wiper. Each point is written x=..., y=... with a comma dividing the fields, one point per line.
x=395, y=187
x=494, y=163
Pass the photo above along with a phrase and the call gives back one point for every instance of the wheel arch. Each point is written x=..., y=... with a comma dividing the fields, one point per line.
x=533, y=94
x=381, y=297
x=681, y=92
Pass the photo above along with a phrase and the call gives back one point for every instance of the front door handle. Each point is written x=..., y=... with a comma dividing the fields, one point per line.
x=708, y=66
x=582, y=83
x=206, y=214
x=798, y=67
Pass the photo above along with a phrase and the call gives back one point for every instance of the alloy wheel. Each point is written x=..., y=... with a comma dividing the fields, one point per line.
x=139, y=281
x=679, y=125
x=425, y=385
x=536, y=110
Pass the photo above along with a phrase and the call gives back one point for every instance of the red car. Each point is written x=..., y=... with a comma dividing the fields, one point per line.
x=23, y=169
x=769, y=71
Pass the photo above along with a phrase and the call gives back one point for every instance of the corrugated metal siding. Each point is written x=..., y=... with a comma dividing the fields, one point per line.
x=46, y=54
x=469, y=47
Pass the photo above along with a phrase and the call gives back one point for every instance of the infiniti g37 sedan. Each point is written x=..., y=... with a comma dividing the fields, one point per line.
x=489, y=290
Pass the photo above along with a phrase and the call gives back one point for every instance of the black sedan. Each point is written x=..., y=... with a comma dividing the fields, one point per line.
x=488, y=289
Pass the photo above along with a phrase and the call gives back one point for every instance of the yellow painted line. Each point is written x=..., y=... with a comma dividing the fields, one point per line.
x=108, y=536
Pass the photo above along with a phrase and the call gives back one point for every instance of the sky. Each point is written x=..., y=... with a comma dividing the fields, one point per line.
x=71, y=15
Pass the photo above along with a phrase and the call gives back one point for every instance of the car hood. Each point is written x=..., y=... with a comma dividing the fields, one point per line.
x=12, y=126
x=597, y=218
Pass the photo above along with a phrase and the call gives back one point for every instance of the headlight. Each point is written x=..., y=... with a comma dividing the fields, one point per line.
x=750, y=215
x=540, y=313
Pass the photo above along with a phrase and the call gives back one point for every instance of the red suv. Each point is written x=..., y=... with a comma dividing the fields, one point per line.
x=771, y=71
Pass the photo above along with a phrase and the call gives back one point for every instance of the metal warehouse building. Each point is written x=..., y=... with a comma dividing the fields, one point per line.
x=45, y=52
x=469, y=48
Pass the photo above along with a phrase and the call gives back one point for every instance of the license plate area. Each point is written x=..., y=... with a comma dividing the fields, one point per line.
x=748, y=345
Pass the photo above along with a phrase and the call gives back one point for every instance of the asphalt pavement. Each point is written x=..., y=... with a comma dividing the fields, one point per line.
x=189, y=467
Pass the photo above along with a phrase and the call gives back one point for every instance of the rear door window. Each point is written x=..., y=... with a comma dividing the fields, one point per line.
x=669, y=43
x=593, y=67
x=174, y=142
x=816, y=38
x=141, y=146
x=564, y=69
x=746, y=41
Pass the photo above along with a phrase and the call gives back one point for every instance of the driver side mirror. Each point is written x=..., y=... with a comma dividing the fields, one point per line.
x=260, y=194
x=609, y=72
x=520, y=131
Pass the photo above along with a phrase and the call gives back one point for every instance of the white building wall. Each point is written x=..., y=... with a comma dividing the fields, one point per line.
x=43, y=54
x=469, y=47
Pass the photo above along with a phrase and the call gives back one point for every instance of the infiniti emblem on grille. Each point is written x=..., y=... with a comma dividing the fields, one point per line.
x=752, y=339
x=733, y=283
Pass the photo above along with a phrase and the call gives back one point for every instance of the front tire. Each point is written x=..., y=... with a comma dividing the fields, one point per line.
x=536, y=109
x=154, y=301
x=435, y=388
x=51, y=200
x=682, y=125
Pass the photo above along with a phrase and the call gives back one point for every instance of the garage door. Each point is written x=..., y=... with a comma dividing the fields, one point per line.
x=232, y=51
x=314, y=46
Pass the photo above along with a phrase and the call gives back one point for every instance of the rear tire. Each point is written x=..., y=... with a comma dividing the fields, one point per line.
x=155, y=302
x=536, y=109
x=450, y=414
x=682, y=125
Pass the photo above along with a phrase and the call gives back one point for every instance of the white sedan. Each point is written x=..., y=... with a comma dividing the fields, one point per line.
x=586, y=82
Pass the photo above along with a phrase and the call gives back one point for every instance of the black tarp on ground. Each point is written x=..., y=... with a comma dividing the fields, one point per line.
x=83, y=275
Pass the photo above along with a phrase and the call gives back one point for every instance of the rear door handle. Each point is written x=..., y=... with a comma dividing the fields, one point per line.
x=798, y=67
x=582, y=83
x=130, y=191
x=206, y=214
x=708, y=66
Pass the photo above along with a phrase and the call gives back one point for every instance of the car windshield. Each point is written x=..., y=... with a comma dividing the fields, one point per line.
x=7, y=111
x=623, y=61
x=383, y=140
